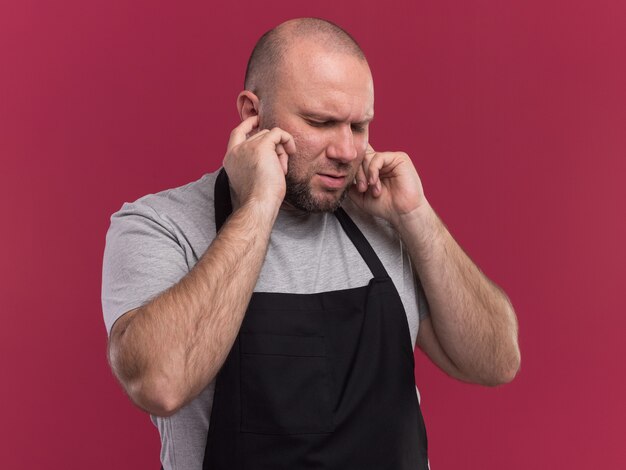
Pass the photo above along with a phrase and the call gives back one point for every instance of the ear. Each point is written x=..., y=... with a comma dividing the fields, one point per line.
x=247, y=104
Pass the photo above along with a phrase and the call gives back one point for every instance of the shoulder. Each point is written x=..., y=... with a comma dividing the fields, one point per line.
x=184, y=213
x=173, y=202
x=153, y=242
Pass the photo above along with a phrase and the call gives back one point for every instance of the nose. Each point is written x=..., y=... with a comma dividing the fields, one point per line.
x=342, y=146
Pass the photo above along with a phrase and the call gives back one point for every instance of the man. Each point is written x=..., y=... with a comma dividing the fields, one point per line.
x=266, y=314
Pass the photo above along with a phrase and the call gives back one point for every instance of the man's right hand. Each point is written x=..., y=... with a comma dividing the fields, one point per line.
x=167, y=351
x=256, y=162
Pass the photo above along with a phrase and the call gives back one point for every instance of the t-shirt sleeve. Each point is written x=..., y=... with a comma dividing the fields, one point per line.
x=142, y=258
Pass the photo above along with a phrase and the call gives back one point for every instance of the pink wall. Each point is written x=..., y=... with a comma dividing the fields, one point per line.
x=515, y=116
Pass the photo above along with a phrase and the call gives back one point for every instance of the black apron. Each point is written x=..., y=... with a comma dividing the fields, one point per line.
x=318, y=381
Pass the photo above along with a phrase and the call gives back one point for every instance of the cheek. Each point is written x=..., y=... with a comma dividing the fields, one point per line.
x=308, y=146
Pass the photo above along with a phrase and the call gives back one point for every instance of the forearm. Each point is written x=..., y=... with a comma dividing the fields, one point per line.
x=175, y=345
x=472, y=318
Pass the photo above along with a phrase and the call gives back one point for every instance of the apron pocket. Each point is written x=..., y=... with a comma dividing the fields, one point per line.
x=285, y=384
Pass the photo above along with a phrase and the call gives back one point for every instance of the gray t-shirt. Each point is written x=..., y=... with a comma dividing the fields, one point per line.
x=155, y=241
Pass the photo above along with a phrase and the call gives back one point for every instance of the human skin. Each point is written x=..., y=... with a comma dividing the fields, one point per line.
x=166, y=352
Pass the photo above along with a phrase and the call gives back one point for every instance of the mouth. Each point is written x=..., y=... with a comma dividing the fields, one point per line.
x=333, y=180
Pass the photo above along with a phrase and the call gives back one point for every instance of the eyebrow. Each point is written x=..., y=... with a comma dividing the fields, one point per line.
x=327, y=117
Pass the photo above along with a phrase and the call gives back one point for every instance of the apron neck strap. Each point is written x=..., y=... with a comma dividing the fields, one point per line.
x=224, y=207
x=361, y=244
x=221, y=199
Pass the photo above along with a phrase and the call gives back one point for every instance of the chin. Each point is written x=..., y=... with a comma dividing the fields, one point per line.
x=303, y=197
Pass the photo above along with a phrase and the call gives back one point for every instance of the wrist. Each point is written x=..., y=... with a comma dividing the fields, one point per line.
x=423, y=214
x=265, y=203
x=264, y=209
x=420, y=228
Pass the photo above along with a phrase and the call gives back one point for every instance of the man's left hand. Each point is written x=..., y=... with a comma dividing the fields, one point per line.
x=387, y=186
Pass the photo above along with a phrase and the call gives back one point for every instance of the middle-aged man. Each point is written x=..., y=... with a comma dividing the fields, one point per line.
x=266, y=314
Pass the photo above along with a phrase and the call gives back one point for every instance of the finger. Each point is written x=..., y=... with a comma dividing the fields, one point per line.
x=240, y=133
x=370, y=149
x=279, y=136
x=356, y=196
x=376, y=164
x=363, y=172
x=283, y=158
x=361, y=180
x=367, y=159
x=258, y=135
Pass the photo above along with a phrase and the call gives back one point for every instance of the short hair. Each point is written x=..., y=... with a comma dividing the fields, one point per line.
x=272, y=47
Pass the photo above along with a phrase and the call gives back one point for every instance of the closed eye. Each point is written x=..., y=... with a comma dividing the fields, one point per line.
x=359, y=128
x=321, y=123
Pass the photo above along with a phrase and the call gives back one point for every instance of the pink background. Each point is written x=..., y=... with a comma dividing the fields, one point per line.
x=513, y=112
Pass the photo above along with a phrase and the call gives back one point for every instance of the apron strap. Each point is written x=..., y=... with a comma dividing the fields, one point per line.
x=222, y=202
x=362, y=245
x=224, y=207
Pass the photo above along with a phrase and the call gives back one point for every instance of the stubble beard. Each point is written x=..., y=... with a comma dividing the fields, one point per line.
x=300, y=195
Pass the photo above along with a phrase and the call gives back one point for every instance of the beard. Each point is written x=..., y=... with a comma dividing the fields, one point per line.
x=300, y=194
